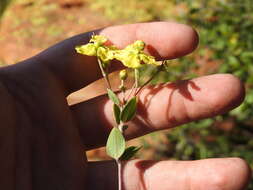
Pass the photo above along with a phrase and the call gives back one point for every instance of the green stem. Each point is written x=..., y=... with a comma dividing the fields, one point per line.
x=123, y=90
x=136, y=83
x=105, y=74
x=131, y=91
x=120, y=126
x=150, y=79
x=136, y=77
x=119, y=164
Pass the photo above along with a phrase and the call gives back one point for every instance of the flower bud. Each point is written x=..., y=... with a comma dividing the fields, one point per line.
x=123, y=74
x=140, y=45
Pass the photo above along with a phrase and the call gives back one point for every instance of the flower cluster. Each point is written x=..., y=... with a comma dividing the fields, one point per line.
x=132, y=56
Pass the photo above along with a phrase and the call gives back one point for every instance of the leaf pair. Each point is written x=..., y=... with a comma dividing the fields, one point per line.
x=115, y=146
x=128, y=111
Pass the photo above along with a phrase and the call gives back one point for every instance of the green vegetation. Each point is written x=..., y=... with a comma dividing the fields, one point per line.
x=3, y=6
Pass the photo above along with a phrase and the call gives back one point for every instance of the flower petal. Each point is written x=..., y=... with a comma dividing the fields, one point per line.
x=147, y=59
x=88, y=49
x=105, y=54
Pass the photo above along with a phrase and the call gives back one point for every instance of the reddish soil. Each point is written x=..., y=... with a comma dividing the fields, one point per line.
x=28, y=27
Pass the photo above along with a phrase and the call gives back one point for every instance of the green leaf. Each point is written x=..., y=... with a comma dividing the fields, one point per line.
x=129, y=110
x=116, y=111
x=115, y=145
x=113, y=96
x=130, y=152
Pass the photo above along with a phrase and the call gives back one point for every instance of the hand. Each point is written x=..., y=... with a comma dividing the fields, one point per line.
x=43, y=139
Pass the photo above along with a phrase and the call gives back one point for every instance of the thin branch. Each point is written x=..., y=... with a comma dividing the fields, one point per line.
x=149, y=80
x=105, y=74
x=136, y=77
x=132, y=89
x=123, y=90
x=119, y=164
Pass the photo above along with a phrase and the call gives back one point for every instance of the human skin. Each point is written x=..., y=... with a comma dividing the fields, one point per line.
x=43, y=140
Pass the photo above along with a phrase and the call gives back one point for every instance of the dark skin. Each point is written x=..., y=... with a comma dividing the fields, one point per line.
x=43, y=139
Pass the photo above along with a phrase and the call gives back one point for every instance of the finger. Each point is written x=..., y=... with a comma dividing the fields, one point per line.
x=165, y=40
x=161, y=107
x=208, y=174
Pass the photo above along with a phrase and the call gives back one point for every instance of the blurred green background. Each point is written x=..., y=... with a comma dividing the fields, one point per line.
x=226, y=46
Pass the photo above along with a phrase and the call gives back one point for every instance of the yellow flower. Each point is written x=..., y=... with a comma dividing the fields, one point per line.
x=92, y=47
x=129, y=58
x=132, y=56
x=105, y=54
x=148, y=59
x=134, y=59
x=88, y=49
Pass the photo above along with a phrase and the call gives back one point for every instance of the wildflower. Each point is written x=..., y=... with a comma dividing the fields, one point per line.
x=132, y=56
x=92, y=47
x=88, y=49
x=105, y=54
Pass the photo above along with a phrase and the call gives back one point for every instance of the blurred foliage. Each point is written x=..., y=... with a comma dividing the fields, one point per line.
x=226, y=46
x=3, y=6
x=133, y=10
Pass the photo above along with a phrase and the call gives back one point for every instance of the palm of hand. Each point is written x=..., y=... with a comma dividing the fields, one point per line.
x=45, y=135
